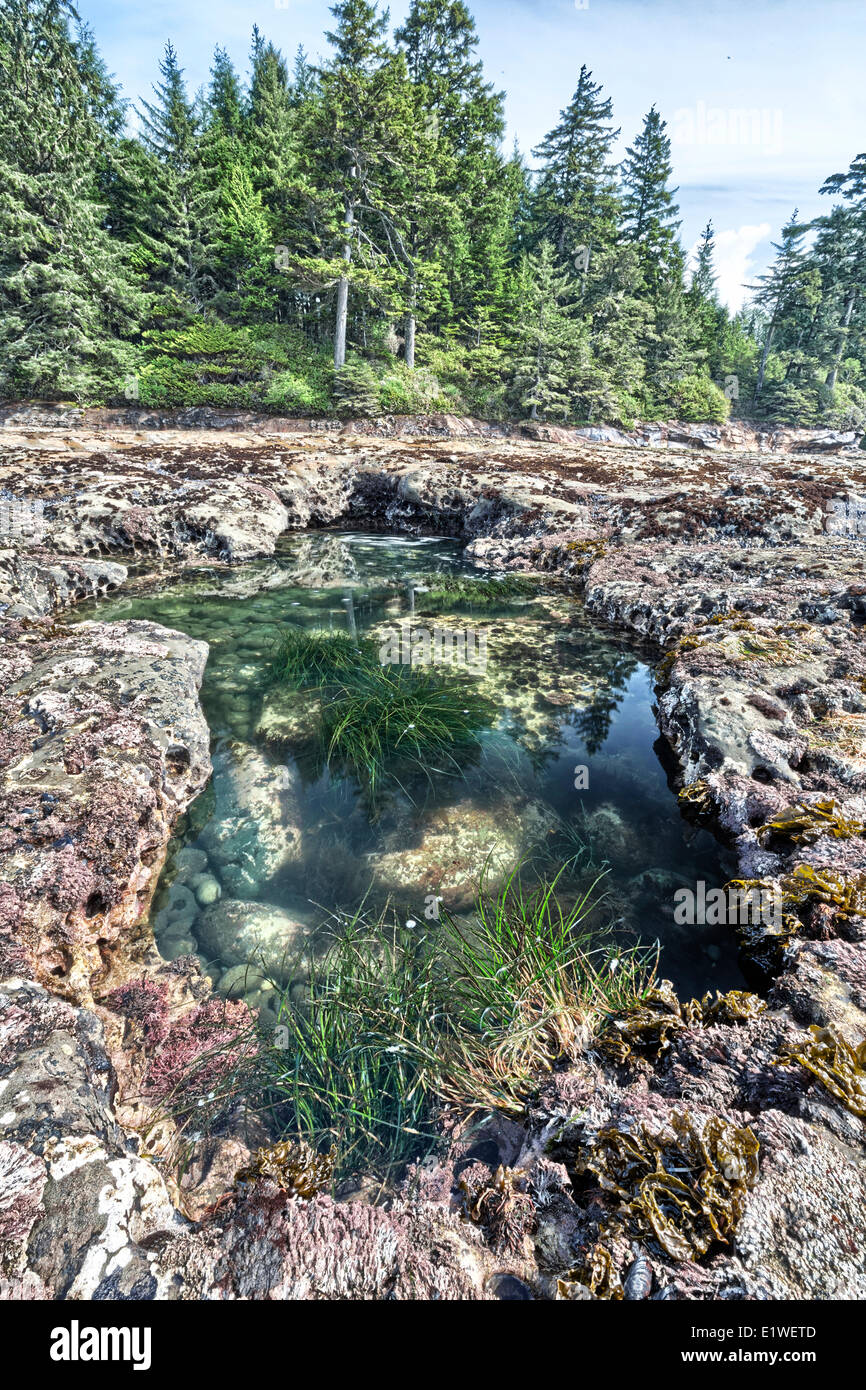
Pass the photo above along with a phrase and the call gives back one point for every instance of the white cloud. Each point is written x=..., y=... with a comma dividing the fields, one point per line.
x=735, y=264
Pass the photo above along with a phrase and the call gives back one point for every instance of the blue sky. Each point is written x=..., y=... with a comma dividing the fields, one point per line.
x=763, y=98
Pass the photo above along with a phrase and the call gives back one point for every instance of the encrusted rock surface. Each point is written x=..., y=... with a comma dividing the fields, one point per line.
x=34, y=587
x=722, y=547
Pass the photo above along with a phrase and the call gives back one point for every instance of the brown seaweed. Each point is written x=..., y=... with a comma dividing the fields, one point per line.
x=685, y=1185
x=502, y=1206
x=836, y=1064
x=803, y=824
x=648, y=1027
x=295, y=1167
x=594, y=1277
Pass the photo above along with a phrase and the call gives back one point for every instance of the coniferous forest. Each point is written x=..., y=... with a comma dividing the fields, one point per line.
x=354, y=238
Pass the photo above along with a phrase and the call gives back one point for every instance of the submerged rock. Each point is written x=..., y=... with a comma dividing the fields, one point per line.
x=239, y=933
x=611, y=838
x=444, y=851
x=289, y=718
x=206, y=888
x=177, y=914
x=255, y=830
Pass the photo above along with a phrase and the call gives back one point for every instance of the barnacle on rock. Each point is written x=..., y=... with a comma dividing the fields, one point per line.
x=294, y=1167
x=685, y=1185
x=803, y=824
x=837, y=1065
x=594, y=1277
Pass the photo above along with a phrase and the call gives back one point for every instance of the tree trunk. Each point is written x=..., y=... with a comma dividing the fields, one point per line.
x=410, y=341
x=843, y=335
x=343, y=294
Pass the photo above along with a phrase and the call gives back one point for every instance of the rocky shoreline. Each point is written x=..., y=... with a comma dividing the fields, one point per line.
x=738, y=559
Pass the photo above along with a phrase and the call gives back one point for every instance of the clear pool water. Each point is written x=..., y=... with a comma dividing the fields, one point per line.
x=567, y=767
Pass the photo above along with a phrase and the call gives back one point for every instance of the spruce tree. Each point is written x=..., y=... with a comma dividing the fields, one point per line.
x=183, y=205
x=462, y=232
x=782, y=292
x=270, y=122
x=352, y=138
x=841, y=247
x=546, y=343
x=575, y=205
x=650, y=224
x=708, y=316
x=67, y=294
x=243, y=242
x=649, y=209
x=704, y=275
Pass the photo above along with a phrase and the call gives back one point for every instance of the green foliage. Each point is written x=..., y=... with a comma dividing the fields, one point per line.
x=404, y=392
x=305, y=659
x=393, y=722
x=363, y=213
x=438, y=593
x=547, y=342
x=351, y=1071
x=68, y=298
x=530, y=984
x=356, y=389
x=392, y=1022
x=699, y=399
x=207, y=362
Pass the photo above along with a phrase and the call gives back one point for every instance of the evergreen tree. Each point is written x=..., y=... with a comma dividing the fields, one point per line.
x=650, y=225
x=575, y=205
x=372, y=192
x=67, y=296
x=703, y=284
x=225, y=113
x=354, y=133
x=546, y=342
x=841, y=247
x=708, y=316
x=183, y=206
x=649, y=209
x=303, y=79
x=242, y=239
x=784, y=291
x=270, y=122
x=462, y=230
